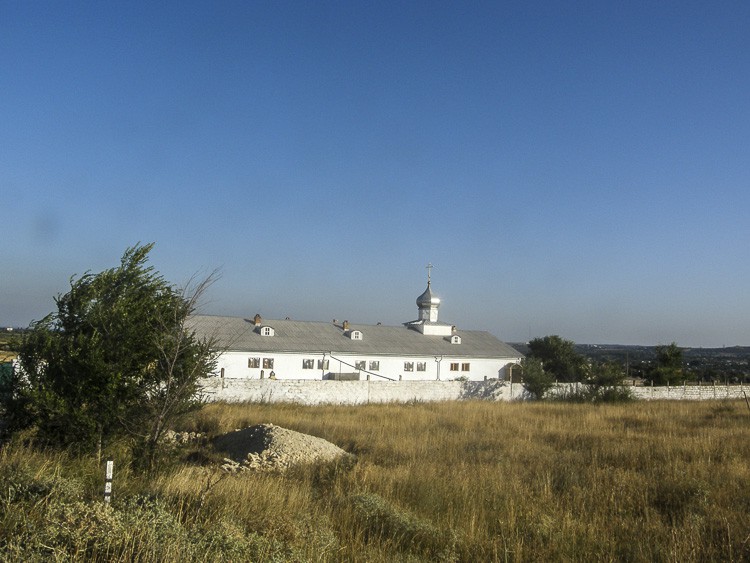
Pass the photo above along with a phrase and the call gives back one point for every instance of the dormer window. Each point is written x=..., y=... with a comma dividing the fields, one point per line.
x=266, y=331
x=455, y=339
x=355, y=335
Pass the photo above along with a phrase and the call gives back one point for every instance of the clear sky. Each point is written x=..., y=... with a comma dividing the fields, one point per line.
x=571, y=168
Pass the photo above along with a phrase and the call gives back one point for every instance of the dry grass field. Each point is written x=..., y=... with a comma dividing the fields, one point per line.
x=468, y=481
x=5, y=354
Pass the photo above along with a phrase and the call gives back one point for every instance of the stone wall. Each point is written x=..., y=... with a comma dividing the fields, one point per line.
x=316, y=392
x=691, y=392
x=673, y=392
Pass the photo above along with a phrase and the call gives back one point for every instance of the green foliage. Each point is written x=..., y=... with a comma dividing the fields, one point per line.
x=606, y=374
x=615, y=394
x=605, y=384
x=60, y=524
x=6, y=381
x=536, y=380
x=559, y=358
x=116, y=359
x=668, y=367
x=21, y=484
x=381, y=520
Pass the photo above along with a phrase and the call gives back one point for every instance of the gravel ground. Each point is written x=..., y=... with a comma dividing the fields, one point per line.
x=265, y=447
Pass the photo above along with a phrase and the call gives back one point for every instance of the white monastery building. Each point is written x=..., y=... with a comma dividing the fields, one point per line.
x=423, y=349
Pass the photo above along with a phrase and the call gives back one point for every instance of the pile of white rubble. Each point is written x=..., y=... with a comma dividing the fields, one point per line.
x=266, y=447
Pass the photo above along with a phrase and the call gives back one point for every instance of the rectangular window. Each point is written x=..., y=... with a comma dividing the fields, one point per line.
x=421, y=366
x=322, y=364
x=408, y=366
x=374, y=365
x=454, y=366
x=253, y=362
x=267, y=363
x=308, y=363
x=360, y=365
x=465, y=367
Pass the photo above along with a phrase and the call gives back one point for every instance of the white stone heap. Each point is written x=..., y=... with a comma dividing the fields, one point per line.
x=266, y=447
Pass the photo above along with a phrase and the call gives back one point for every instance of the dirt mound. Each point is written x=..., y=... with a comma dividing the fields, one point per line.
x=265, y=447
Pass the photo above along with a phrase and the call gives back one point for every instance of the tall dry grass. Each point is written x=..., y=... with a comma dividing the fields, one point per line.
x=469, y=481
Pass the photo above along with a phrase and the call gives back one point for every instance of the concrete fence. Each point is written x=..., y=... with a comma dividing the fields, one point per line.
x=673, y=392
x=692, y=392
x=316, y=392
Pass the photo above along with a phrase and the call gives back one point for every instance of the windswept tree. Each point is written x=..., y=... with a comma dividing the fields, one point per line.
x=117, y=359
x=559, y=358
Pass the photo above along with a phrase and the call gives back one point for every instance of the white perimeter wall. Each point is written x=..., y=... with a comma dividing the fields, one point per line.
x=289, y=366
x=676, y=393
x=311, y=392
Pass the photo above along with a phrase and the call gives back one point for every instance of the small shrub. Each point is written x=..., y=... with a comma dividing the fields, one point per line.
x=589, y=393
x=616, y=394
x=381, y=520
x=82, y=529
x=22, y=484
x=225, y=541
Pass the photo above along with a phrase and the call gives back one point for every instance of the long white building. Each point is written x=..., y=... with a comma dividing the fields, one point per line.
x=423, y=349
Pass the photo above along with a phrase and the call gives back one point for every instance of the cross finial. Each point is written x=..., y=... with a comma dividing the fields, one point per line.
x=429, y=271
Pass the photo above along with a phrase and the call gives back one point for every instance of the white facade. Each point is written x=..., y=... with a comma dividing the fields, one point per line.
x=291, y=365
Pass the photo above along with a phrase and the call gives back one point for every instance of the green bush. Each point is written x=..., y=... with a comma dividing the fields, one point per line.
x=381, y=520
x=536, y=381
x=588, y=393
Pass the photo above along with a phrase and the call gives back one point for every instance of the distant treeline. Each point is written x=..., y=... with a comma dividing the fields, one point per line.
x=727, y=364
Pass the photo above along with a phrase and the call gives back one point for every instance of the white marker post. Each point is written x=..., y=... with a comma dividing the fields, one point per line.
x=108, y=481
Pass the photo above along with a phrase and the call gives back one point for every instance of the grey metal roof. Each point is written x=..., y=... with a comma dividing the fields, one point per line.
x=239, y=334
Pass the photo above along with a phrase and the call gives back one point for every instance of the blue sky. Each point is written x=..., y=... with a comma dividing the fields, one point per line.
x=572, y=168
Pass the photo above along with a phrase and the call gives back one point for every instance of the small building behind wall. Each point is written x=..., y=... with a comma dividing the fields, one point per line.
x=423, y=349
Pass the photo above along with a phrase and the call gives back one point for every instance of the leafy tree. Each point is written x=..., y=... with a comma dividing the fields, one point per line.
x=606, y=374
x=536, y=380
x=606, y=383
x=559, y=358
x=117, y=359
x=668, y=367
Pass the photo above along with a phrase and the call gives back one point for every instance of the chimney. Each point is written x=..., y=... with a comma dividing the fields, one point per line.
x=257, y=320
x=346, y=326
